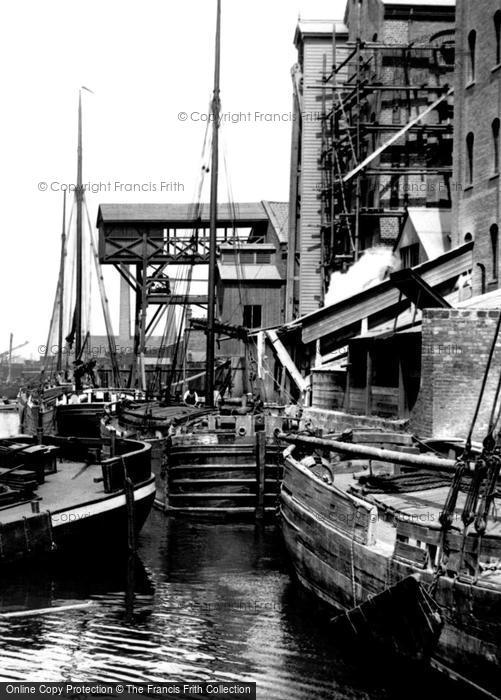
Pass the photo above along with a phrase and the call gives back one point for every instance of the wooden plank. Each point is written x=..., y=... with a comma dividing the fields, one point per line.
x=348, y=513
x=286, y=360
x=260, y=473
x=408, y=529
x=410, y=554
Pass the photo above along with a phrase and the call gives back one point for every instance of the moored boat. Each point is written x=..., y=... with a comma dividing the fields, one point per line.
x=209, y=464
x=71, y=493
x=357, y=520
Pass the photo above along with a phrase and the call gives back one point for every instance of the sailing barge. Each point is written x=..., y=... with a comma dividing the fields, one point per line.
x=71, y=493
x=358, y=519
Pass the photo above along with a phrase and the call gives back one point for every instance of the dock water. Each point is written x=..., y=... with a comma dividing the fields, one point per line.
x=202, y=601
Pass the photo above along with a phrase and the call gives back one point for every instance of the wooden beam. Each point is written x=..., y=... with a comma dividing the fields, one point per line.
x=180, y=299
x=395, y=137
x=368, y=384
x=421, y=461
x=286, y=360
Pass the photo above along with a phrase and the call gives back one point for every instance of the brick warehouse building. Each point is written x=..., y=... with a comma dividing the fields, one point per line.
x=453, y=342
x=477, y=99
x=392, y=59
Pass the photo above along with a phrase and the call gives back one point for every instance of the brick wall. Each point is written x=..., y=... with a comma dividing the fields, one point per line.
x=477, y=104
x=455, y=347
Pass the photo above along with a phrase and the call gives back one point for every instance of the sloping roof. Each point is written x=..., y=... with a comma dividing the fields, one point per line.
x=431, y=226
x=179, y=213
x=318, y=27
x=340, y=315
x=249, y=273
x=278, y=213
x=489, y=301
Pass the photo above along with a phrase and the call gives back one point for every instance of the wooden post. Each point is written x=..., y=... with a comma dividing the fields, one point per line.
x=112, y=443
x=368, y=384
x=166, y=464
x=40, y=422
x=402, y=401
x=346, y=402
x=137, y=321
x=260, y=472
x=129, y=500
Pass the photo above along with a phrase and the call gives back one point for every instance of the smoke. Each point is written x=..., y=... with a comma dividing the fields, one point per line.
x=370, y=269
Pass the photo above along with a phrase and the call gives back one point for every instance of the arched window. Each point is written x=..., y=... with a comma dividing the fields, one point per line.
x=495, y=145
x=497, y=30
x=472, y=40
x=468, y=237
x=494, y=231
x=470, y=138
x=482, y=278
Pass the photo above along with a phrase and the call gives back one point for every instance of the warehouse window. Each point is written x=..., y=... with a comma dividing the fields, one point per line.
x=252, y=315
x=263, y=257
x=495, y=145
x=469, y=152
x=495, y=250
x=497, y=29
x=246, y=257
x=410, y=255
x=472, y=40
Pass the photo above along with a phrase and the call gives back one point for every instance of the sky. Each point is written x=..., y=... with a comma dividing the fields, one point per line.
x=150, y=67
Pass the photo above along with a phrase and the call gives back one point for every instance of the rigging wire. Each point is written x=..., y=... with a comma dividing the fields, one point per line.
x=182, y=280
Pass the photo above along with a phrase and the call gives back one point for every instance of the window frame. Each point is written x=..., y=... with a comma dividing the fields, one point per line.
x=472, y=49
x=494, y=234
x=495, y=126
x=470, y=154
x=497, y=30
x=250, y=311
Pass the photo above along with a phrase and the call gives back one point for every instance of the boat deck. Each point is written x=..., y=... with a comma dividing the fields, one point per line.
x=70, y=487
x=156, y=412
x=421, y=507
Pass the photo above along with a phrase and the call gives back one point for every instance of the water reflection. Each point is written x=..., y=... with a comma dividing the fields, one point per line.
x=201, y=602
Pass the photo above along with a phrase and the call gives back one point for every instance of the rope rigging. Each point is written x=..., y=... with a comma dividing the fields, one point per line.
x=182, y=279
x=486, y=471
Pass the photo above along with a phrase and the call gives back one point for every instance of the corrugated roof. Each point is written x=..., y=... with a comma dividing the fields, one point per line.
x=176, y=213
x=278, y=213
x=249, y=273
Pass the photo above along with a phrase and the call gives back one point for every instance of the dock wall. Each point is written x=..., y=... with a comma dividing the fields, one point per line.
x=455, y=348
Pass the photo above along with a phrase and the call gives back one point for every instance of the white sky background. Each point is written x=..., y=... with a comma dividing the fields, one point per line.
x=146, y=62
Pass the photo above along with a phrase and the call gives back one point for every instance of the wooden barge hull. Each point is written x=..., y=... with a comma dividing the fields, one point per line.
x=101, y=523
x=217, y=466
x=69, y=497
x=331, y=561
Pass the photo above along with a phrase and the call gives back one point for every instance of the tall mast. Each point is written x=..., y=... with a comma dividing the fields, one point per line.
x=79, y=203
x=61, y=290
x=211, y=298
x=9, y=371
